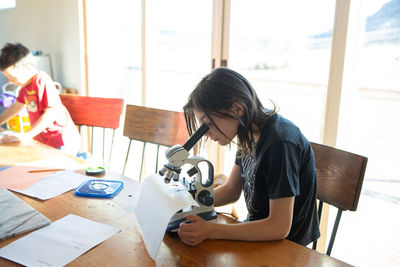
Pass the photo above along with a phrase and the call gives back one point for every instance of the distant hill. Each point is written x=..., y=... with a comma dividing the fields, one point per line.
x=388, y=17
x=381, y=27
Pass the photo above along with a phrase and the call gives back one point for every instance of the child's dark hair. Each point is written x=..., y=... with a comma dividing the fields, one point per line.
x=215, y=95
x=11, y=54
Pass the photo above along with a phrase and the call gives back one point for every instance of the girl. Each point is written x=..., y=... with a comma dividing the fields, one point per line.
x=274, y=165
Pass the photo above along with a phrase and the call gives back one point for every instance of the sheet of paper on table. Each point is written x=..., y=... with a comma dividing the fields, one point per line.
x=158, y=202
x=58, y=243
x=54, y=184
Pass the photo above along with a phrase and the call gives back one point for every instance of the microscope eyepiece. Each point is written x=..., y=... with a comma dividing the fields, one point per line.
x=196, y=137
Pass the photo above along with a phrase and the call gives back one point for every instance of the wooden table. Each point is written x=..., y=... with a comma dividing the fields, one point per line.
x=127, y=248
x=11, y=154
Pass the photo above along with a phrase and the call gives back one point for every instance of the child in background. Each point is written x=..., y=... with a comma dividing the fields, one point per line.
x=274, y=165
x=50, y=121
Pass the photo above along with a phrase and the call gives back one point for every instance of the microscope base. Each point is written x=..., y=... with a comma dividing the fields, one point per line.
x=174, y=225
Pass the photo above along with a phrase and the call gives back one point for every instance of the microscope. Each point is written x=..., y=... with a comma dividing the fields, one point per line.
x=200, y=189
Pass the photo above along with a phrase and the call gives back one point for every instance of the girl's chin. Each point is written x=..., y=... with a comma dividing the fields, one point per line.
x=221, y=143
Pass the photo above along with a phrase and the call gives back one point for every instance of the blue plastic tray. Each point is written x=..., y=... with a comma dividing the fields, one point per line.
x=99, y=188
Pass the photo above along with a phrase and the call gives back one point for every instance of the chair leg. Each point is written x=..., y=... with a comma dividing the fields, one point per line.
x=127, y=155
x=112, y=144
x=334, y=231
x=320, y=206
x=91, y=142
x=314, y=245
x=141, y=166
x=104, y=137
x=80, y=135
x=158, y=151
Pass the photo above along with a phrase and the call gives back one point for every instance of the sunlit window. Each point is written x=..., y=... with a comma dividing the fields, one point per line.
x=283, y=48
x=372, y=129
x=178, y=52
x=6, y=4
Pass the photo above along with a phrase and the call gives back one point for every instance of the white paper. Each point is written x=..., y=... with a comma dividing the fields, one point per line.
x=158, y=202
x=59, y=243
x=54, y=184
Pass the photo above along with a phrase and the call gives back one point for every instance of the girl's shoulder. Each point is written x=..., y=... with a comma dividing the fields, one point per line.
x=278, y=129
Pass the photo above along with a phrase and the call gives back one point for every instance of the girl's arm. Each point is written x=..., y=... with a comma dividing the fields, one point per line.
x=10, y=112
x=275, y=227
x=230, y=191
x=48, y=117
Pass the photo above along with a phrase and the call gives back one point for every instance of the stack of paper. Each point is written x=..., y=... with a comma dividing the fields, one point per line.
x=17, y=217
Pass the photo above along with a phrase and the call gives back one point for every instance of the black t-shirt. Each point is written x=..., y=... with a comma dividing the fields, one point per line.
x=282, y=166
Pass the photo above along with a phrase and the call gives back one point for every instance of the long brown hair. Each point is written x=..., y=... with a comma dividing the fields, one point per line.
x=215, y=95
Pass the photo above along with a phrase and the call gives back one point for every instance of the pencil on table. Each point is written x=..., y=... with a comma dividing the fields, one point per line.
x=47, y=170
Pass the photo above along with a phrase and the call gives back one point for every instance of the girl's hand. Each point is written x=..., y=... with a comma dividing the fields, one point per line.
x=193, y=232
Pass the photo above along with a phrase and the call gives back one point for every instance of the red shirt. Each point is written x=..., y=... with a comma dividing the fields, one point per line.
x=38, y=95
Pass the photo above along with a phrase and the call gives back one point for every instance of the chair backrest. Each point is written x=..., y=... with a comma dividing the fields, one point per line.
x=156, y=126
x=94, y=112
x=340, y=176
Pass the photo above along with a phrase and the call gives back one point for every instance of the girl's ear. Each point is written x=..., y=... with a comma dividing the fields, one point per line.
x=237, y=109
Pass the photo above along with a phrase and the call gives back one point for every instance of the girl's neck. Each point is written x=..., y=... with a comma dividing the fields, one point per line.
x=256, y=134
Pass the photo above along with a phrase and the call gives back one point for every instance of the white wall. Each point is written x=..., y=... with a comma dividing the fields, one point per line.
x=52, y=26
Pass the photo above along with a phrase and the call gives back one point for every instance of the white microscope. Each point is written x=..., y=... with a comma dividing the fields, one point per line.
x=201, y=191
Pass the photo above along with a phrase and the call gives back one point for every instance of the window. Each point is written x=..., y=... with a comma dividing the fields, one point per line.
x=283, y=48
x=114, y=49
x=6, y=4
x=285, y=54
x=178, y=50
x=371, y=127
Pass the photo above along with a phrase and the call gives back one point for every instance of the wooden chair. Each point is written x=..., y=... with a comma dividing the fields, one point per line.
x=340, y=176
x=156, y=126
x=94, y=112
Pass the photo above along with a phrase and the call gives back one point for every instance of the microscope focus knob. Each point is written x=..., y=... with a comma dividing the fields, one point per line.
x=192, y=171
x=206, y=198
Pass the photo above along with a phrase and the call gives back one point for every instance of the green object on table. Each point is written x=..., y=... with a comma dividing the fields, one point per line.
x=95, y=170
